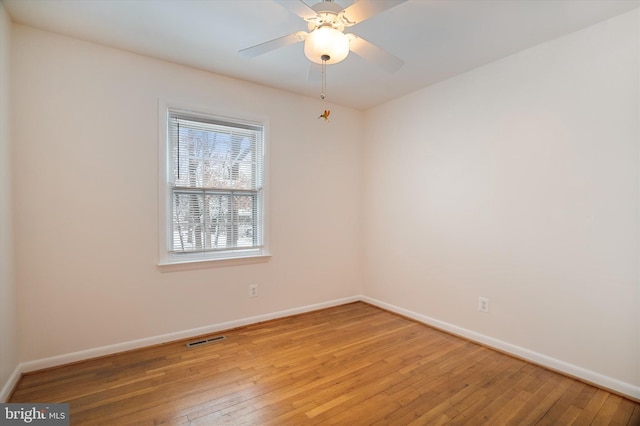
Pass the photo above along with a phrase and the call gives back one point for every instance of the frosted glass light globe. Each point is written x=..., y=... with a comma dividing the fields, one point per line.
x=326, y=41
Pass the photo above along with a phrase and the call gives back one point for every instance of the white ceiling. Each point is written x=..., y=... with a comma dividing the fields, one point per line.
x=436, y=39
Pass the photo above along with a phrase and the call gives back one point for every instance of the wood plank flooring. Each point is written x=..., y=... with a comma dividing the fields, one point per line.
x=350, y=365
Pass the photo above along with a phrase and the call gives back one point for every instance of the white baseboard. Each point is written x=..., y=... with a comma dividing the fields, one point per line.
x=40, y=364
x=588, y=376
x=10, y=384
x=580, y=373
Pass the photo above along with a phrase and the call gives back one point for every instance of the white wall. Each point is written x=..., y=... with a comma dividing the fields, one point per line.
x=518, y=181
x=86, y=139
x=8, y=316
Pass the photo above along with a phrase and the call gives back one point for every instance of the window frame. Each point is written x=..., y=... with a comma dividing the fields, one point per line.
x=221, y=257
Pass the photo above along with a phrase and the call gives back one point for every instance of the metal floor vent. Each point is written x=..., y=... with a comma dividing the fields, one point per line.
x=205, y=341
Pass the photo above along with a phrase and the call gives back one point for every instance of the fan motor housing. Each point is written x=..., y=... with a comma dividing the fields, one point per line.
x=328, y=13
x=327, y=6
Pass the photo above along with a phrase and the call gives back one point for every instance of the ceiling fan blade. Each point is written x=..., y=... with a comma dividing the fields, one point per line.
x=315, y=72
x=365, y=9
x=270, y=45
x=373, y=53
x=298, y=7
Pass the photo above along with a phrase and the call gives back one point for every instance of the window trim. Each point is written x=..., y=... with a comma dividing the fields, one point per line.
x=185, y=261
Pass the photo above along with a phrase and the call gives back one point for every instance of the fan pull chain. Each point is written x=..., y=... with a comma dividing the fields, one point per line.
x=323, y=95
x=324, y=76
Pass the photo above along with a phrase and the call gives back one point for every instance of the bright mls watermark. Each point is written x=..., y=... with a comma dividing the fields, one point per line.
x=34, y=414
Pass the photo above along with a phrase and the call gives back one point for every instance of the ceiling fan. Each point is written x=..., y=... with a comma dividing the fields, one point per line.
x=326, y=42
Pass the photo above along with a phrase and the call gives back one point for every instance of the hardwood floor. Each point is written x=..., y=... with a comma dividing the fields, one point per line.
x=354, y=364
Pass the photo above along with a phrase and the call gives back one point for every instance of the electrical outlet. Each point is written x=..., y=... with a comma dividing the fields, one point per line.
x=253, y=290
x=483, y=304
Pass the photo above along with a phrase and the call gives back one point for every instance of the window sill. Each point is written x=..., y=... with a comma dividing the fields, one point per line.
x=187, y=265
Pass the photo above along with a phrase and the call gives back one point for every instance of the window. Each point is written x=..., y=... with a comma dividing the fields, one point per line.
x=214, y=191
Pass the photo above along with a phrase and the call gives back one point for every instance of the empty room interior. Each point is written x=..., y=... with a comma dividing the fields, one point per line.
x=430, y=217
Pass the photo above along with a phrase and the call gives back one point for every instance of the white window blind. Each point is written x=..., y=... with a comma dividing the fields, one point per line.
x=215, y=173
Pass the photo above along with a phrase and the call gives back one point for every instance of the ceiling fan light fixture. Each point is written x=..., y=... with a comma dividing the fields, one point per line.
x=326, y=41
